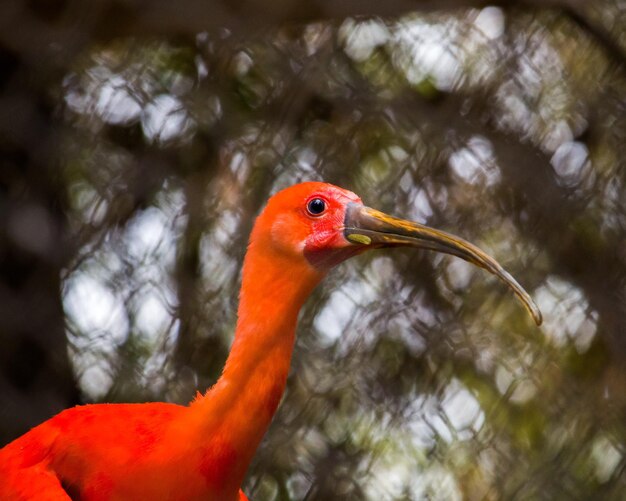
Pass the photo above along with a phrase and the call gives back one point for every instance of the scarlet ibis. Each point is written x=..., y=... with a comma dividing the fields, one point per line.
x=202, y=451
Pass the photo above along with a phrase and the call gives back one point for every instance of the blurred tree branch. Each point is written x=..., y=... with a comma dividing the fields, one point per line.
x=45, y=34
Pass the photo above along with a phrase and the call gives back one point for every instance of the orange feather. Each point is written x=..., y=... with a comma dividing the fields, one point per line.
x=202, y=451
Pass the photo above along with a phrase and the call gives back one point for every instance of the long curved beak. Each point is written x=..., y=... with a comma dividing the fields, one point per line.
x=369, y=227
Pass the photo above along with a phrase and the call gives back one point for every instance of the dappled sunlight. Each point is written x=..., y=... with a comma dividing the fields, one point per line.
x=165, y=119
x=571, y=163
x=115, y=301
x=451, y=51
x=475, y=163
x=106, y=95
x=607, y=457
x=360, y=39
x=569, y=318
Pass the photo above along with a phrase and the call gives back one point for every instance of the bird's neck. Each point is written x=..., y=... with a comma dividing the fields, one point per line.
x=240, y=406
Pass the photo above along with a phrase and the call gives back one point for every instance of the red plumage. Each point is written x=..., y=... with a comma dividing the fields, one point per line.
x=201, y=451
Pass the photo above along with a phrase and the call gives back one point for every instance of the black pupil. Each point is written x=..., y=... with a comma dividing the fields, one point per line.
x=316, y=206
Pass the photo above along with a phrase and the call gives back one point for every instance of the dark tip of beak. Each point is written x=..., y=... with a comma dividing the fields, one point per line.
x=369, y=227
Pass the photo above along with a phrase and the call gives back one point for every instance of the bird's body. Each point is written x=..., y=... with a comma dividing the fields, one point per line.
x=202, y=451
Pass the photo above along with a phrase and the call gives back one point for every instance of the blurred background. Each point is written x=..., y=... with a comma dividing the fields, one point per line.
x=138, y=140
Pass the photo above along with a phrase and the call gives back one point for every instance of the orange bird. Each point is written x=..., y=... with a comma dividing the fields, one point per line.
x=202, y=451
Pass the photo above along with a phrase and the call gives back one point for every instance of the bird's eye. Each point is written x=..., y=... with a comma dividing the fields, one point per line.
x=316, y=206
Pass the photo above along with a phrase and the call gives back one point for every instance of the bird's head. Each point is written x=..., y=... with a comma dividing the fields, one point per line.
x=320, y=225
